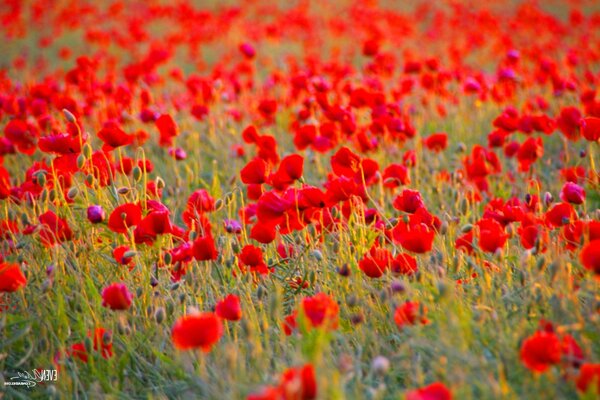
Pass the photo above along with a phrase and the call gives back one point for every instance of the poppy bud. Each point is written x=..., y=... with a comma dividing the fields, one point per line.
x=87, y=150
x=123, y=190
x=107, y=338
x=344, y=270
x=380, y=365
x=69, y=116
x=95, y=214
x=159, y=315
x=317, y=255
x=218, y=204
x=397, y=287
x=548, y=198
x=357, y=318
x=137, y=173
x=80, y=161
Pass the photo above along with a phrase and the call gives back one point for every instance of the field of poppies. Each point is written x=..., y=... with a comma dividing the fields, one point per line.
x=297, y=200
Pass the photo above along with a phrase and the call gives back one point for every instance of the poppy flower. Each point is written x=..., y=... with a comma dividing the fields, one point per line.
x=435, y=391
x=4, y=183
x=252, y=257
x=437, y=142
x=54, y=229
x=589, y=379
x=560, y=214
x=409, y=313
x=167, y=129
x=299, y=383
x=568, y=122
x=203, y=249
x=590, y=128
x=124, y=217
x=100, y=344
x=321, y=310
x=395, y=175
x=404, y=264
x=572, y=193
x=345, y=162
x=77, y=350
x=529, y=152
x=11, y=277
x=198, y=203
x=408, y=201
x=22, y=134
x=255, y=172
x=95, y=214
x=119, y=255
x=116, y=297
x=247, y=50
x=197, y=331
x=113, y=136
x=590, y=256
x=491, y=235
x=414, y=236
x=60, y=144
x=375, y=262
x=540, y=351
x=229, y=308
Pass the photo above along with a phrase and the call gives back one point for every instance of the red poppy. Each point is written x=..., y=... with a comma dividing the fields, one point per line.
x=119, y=255
x=321, y=310
x=54, y=229
x=437, y=142
x=408, y=201
x=375, y=262
x=540, y=351
x=124, y=216
x=11, y=277
x=590, y=128
x=414, y=236
x=568, y=123
x=255, y=172
x=435, y=391
x=299, y=383
x=60, y=144
x=116, y=297
x=203, y=248
x=4, y=183
x=229, y=308
x=22, y=134
x=290, y=170
x=395, y=175
x=404, y=264
x=410, y=313
x=529, y=151
x=491, y=235
x=252, y=257
x=113, y=136
x=560, y=214
x=167, y=129
x=100, y=343
x=590, y=256
x=345, y=163
x=100, y=167
x=572, y=193
x=589, y=379
x=201, y=330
